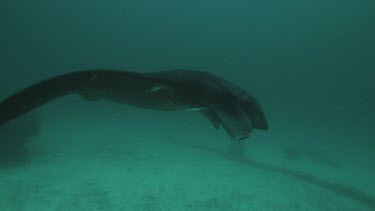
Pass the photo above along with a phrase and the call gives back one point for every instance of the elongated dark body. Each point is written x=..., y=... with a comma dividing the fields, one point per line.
x=220, y=101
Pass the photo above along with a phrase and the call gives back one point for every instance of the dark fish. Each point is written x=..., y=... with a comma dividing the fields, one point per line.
x=220, y=101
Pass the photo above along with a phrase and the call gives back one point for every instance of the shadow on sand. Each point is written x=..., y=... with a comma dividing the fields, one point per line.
x=313, y=154
x=235, y=152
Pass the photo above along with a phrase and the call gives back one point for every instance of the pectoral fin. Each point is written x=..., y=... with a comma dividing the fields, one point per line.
x=235, y=121
x=214, y=119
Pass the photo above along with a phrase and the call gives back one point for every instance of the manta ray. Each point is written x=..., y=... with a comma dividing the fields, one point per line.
x=223, y=103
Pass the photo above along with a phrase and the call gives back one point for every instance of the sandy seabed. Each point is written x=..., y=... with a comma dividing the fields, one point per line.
x=81, y=165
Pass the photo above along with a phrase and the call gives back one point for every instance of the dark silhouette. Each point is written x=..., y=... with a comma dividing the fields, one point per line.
x=220, y=101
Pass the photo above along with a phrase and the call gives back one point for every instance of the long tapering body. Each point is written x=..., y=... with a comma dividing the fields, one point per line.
x=220, y=101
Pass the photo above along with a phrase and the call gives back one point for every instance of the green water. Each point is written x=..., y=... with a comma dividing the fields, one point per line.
x=311, y=65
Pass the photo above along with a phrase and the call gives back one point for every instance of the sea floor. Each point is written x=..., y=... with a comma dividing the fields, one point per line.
x=152, y=161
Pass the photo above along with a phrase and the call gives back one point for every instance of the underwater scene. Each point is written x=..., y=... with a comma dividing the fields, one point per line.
x=187, y=105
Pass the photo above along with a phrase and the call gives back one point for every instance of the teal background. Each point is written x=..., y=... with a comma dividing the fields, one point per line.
x=309, y=63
